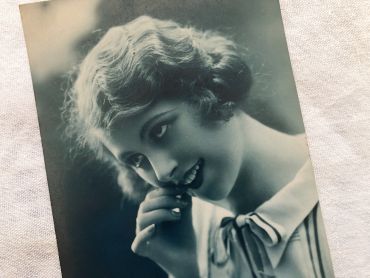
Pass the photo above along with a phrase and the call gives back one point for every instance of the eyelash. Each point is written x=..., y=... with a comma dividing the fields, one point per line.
x=163, y=131
x=138, y=160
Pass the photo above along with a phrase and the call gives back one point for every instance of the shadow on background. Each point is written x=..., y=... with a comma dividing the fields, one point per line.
x=94, y=226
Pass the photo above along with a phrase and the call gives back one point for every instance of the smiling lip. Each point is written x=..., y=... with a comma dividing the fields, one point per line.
x=193, y=178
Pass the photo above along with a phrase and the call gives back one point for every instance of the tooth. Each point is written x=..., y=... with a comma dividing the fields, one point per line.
x=187, y=181
x=191, y=176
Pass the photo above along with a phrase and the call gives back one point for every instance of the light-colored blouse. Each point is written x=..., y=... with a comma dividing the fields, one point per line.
x=284, y=237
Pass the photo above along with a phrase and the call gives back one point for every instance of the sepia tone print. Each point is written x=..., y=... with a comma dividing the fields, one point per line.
x=173, y=140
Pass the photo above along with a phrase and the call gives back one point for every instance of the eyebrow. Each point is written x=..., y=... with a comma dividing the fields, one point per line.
x=150, y=122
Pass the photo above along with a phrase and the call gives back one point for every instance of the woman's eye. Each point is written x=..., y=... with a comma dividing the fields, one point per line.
x=159, y=131
x=136, y=160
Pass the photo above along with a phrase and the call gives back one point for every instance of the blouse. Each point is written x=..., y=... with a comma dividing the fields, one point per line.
x=284, y=237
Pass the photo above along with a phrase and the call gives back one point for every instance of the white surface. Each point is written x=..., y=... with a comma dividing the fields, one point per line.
x=27, y=238
x=329, y=44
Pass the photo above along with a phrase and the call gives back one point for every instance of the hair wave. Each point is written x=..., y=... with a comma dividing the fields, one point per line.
x=146, y=60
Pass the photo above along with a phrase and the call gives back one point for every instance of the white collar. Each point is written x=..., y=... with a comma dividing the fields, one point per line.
x=287, y=209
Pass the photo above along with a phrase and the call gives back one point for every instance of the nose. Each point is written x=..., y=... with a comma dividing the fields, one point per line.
x=165, y=168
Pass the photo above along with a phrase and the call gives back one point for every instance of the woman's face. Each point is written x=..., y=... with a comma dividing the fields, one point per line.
x=168, y=145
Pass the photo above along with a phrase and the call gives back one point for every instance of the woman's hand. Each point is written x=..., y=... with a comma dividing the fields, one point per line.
x=164, y=231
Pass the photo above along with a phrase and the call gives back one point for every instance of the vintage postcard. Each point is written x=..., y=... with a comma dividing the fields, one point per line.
x=173, y=140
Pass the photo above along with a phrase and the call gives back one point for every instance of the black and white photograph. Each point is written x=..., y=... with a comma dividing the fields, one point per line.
x=173, y=140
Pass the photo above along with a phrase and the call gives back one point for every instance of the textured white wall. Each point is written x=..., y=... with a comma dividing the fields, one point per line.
x=329, y=44
x=27, y=239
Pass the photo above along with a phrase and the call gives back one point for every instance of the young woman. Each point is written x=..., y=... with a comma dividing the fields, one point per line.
x=161, y=103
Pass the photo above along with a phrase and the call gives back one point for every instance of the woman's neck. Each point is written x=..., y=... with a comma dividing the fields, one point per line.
x=271, y=160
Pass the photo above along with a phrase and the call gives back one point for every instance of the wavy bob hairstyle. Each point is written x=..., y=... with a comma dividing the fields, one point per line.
x=147, y=60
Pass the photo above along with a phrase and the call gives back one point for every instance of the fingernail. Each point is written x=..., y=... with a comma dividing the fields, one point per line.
x=176, y=212
x=152, y=228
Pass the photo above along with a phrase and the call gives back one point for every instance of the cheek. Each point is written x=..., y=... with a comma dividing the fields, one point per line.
x=221, y=172
x=224, y=169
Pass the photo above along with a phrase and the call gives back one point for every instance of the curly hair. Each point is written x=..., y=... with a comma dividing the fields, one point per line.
x=146, y=60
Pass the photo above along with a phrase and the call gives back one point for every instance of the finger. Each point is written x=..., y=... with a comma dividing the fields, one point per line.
x=156, y=217
x=166, y=202
x=141, y=243
x=170, y=191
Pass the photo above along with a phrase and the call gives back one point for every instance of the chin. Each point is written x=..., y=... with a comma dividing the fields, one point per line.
x=213, y=193
x=214, y=187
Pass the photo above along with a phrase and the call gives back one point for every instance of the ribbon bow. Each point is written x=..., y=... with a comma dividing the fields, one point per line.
x=247, y=233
